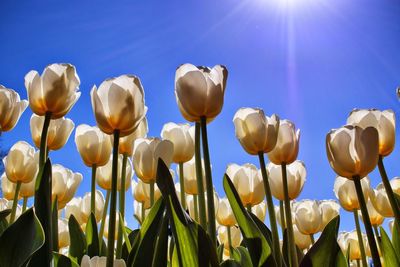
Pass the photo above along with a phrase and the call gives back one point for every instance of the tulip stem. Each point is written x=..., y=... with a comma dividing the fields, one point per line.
x=210, y=190
x=195, y=207
x=389, y=190
x=199, y=177
x=360, y=238
x=228, y=229
x=271, y=210
x=282, y=213
x=121, y=204
x=113, y=203
x=358, y=263
x=367, y=222
x=288, y=216
x=103, y=219
x=15, y=202
x=377, y=236
x=312, y=239
x=182, y=184
x=54, y=228
x=93, y=190
x=24, y=204
x=143, y=213
x=151, y=193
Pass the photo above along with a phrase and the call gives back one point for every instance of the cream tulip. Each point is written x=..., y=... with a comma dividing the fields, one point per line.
x=395, y=185
x=146, y=153
x=118, y=104
x=86, y=209
x=21, y=163
x=296, y=177
x=55, y=92
x=7, y=205
x=104, y=173
x=11, y=108
x=190, y=204
x=74, y=207
x=236, y=236
x=352, y=151
x=302, y=241
x=255, y=131
x=97, y=261
x=260, y=211
x=308, y=216
x=341, y=240
x=93, y=145
x=63, y=233
x=64, y=184
x=287, y=145
x=278, y=215
x=200, y=91
x=182, y=137
x=345, y=192
x=126, y=142
x=28, y=189
x=248, y=183
x=383, y=121
x=380, y=201
x=190, y=177
x=225, y=214
x=375, y=217
x=352, y=242
x=330, y=209
x=141, y=193
x=7, y=187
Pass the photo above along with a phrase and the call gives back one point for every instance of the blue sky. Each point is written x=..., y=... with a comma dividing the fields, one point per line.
x=310, y=61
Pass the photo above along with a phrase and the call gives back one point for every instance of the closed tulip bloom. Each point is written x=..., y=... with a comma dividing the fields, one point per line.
x=86, y=209
x=374, y=216
x=56, y=91
x=260, y=211
x=74, y=207
x=255, y=131
x=64, y=184
x=97, y=261
x=118, y=104
x=21, y=163
x=11, y=108
x=104, y=174
x=352, y=151
x=345, y=192
x=190, y=176
x=302, y=241
x=126, y=142
x=141, y=192
x=28, y=189
x=7, y=187
x=225, y=214
x=93, y=145
x=296, y=177
x=380, y=201
x=248, y=183
x=287, y=145
x=146, y=153
x=236, y=236
x=308, y=216
x=330, y=209
x=63, y=233
x=383, y=121
x=182, y=137
x=58, y=132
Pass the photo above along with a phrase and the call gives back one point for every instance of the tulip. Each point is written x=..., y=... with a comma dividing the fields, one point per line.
x=259, y=210
x=225, y=214
x=65, y=183
x=126, y=142
x=7, y=187
x=308, y=217
x=353, y=241
x=330, y=209
x=140, y=213
x=374, y=216
x=106, y=228
x=229, y=236
x=74, y=207
x=97, y=261
x=287, y=145
x=345, y=192
x=141, y=193
x=11, y=108
x=63, y=233
x=302, y=241
x=380, y=201
x=104, y=174
x=86, y=205
x=190, y=178
x=191, y=204
x=27, y=190
x=182, y=137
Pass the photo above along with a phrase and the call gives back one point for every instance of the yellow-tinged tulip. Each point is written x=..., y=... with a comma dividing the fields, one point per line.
x=28, y=189
x=56, y=91
x=260, y=210
x=7, y=187
x=182, y=137
x=126, y=142
x=236, y=236
x=287, y=145
x=21, y=163
x=374, y=216
x=141, y=192
x=308, y=216
x=190, y=204
x=248, y=183
x=93, y=145
x=118, y=104
x=395, y=184
x=351, y=240
x=383, y=121
x=104, y=174
x=255, y=131
x=146, y=153
x=330, y=209
x=200, y=91
x=380, y=201
x=11, y=108
x=225, y=214
x=58, y=132
x=86, y=208
x=64, y=184
x=352, y=150
x=63, y=233
x=296, y=177
x=97, y=261
x=190, y=177
x=302, y=241
x=74, y=207
x=345, y=192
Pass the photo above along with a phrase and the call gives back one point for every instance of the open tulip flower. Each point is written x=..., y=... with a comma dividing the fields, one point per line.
x=11, y=108
x=308, y=217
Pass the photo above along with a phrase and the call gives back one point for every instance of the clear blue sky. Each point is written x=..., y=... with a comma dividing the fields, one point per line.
x=312, y=62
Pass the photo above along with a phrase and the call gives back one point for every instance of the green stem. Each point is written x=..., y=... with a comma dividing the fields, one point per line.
x=195, y=207
x=54, y=228
x=121, y=205
x=15, y=202
x=182, y=184
x=228, y=228
x=93, y=190
x=113, y=203
x=103, y=218
x=360, y=239
x=143, y=214
x=312, y=239
x=367, y=222
x=288, y=216
x=358, y=263
x=248, y=208
x=271, y=210
x=282, y=213
x=199, y=178
x=151, y=194
x=24, y=204
x=378, y=238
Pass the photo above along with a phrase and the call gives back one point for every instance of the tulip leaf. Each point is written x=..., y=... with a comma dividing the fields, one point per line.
x=325, y=250
x=20, y=240
x=124, y=252
x=92, y=237
x=63, y=261
x=231, y=263
x=220, y=252
x=388, y=252
x=77, y=247
x=341, y=260
x=54, y=224
x=396, y=236
x=161, y=250
x=256, y=242
x=3, y=220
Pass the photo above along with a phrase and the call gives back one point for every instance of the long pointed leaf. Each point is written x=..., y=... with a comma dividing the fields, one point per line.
x=92, y=237
x=77, y=247
x=388, y=252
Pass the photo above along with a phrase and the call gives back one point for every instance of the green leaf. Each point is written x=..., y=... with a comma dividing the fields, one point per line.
x=256, y=242
x=161, y=250
x=54, y=225
x=220, y=252
x=125, y=233
x=125, y=253
x=230, y=263
x=77, y=247
x=388, y=252
x=324, y=251
x=396, y=237
x=245, y=259
x=92, y=237
x=63, y=261
x=341, y=260
x=20, y=240
x=3, y=220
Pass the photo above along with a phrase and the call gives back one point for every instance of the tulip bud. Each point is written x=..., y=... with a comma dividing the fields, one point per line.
x=345, y=192
x=308, y=216
x=200, y=91
x=21, y=163
x=236, y=236
x=56, y=91
x=259, y=210
x=146, y=153
x=182, y=137
x=225, y=214
x=141, y=193
x=104, y=174
x=28, y=189
x=63, y=233
x=296, y=176
x=248, y=183
x=352, y=151
x=126, y=142
x=64, y=184
x=383, y=121
x=86, y=205
x=118, y=104
x=302, y=241
x=375, y=217
x=190, y=176
x=93, y=145
x=255, y=131
x=11, y=108
x=380, y=201
x=97, y=261
x=287, y=145
x=74, y=207
x=7, y=187
x=330, y=209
